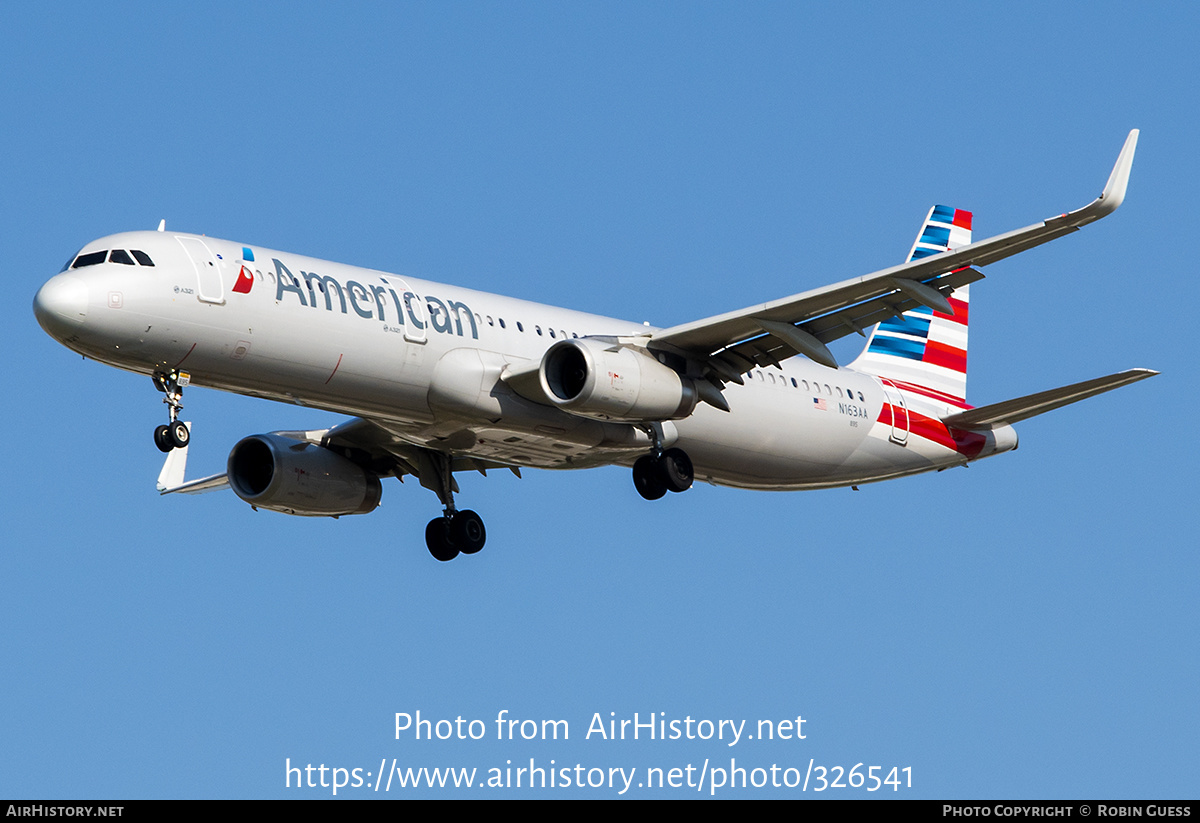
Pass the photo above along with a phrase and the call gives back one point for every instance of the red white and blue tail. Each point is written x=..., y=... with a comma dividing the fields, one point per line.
x=923, y=348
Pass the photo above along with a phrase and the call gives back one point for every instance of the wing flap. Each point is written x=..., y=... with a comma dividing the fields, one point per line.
x=764, y=350
x=1013, y=411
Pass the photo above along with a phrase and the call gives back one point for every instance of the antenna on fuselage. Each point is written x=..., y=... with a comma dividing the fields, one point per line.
x=162, y=224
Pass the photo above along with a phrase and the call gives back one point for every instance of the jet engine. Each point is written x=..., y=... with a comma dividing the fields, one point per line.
x=273, y=472
x=595, y=379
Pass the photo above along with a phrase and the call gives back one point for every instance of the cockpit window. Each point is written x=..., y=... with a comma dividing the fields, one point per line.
x=142, y=257
x=92, y=258
x=120, y=256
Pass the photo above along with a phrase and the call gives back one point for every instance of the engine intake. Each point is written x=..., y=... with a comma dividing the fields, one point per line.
x=294, y=477
x=607, y=382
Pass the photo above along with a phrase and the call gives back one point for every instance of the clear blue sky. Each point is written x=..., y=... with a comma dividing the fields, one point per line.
x=1022, y=628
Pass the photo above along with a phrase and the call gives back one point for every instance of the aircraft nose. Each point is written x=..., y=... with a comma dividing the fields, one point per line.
x=61, y=305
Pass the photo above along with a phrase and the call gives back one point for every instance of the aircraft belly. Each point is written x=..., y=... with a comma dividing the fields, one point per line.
x=335, y=371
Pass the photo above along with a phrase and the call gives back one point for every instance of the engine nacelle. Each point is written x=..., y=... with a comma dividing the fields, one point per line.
x=290, y=476
x=596, y=379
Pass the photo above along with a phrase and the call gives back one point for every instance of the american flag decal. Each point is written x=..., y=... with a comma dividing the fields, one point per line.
x=819, y=403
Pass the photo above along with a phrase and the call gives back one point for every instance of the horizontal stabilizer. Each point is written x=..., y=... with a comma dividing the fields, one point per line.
x=1014, y=411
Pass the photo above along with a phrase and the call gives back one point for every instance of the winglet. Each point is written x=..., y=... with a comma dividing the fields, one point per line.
x=1114, y=190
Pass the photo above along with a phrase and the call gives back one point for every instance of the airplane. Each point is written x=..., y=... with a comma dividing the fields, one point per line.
x=439, y=379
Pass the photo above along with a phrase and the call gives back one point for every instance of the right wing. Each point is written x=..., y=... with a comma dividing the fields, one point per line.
x=738, y=341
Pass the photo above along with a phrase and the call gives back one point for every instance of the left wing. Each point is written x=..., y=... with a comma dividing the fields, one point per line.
x=736, y=342
x=369, y=442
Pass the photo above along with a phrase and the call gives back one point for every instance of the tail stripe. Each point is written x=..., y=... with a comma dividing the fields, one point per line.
x=899, y=347
x=939, y=354
x=925, y=347
x=913, y=322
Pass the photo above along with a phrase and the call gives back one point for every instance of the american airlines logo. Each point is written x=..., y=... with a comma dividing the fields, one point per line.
x=244, y=282
x=372, y=302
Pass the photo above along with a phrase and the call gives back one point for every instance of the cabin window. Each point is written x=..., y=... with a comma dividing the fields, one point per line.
x=520, y=326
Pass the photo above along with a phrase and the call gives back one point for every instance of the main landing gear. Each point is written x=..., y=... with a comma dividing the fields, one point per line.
x=670, y=471
x=455, y=532
x=174, y=435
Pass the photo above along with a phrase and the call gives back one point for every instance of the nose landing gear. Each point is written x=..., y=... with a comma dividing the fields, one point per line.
x=174, y=435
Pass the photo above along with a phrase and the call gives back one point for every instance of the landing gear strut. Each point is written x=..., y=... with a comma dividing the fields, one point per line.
x=174, y=435
x=654, y=476
x=455, y=531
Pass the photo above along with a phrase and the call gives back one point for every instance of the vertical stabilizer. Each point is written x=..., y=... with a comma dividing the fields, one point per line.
x=925, y=348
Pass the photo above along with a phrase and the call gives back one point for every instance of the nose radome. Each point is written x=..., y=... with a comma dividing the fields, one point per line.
x=61, y=304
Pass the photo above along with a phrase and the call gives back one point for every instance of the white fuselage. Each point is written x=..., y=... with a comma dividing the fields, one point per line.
x=424, y=360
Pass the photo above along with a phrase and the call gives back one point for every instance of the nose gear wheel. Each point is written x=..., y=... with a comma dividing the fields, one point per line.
x=174, y=435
